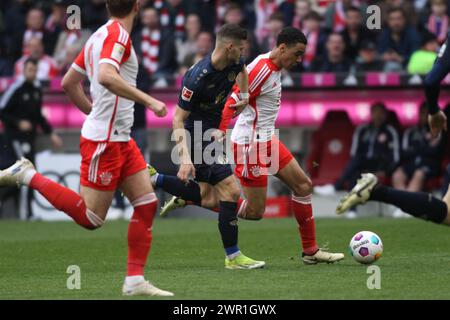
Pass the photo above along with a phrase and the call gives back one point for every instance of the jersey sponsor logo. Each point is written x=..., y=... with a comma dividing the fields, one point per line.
x=186, y=94
x=117, y=52
x=106, y=178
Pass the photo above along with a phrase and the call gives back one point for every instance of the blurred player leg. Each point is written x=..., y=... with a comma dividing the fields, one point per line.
x=171, y=184
x=418, y=204
x=88, y=210
x=194, y=193
x=138, y=190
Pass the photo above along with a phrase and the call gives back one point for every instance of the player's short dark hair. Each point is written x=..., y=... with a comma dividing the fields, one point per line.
x=232, y=31
x=291, y=36
x=120, y=8
x=30, y=60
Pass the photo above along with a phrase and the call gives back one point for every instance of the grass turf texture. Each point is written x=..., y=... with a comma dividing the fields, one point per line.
x=187, y=259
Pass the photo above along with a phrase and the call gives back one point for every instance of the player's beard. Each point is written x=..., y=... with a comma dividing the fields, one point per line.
x=235, y=60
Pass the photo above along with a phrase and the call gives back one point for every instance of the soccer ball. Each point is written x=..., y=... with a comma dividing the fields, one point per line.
x=366, y=247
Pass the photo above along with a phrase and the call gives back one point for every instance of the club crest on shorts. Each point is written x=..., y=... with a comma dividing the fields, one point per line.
x=105, y=178
x=256, y=171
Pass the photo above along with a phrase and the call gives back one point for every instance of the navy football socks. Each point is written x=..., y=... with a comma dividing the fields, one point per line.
x=418, y=204
x=228, y=226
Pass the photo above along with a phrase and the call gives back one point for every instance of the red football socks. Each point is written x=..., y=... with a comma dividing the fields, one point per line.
x=140, y=233
x=65, y=200
x=306, y=226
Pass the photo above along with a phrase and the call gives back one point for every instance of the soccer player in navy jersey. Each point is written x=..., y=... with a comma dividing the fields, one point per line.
x=205, y=88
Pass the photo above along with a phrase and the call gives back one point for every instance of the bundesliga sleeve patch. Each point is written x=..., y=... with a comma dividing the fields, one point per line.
x=186, y=95
x=117, y=52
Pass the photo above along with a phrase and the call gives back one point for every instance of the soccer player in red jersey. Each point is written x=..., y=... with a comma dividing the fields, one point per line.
x=110, y=158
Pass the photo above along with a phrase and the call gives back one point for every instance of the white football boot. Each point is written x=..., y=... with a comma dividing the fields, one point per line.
x=359, y=194
x=144, y=288
x=322, y=256
x=18, y=174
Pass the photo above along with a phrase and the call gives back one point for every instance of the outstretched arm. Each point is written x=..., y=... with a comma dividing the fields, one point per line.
x=111, y=80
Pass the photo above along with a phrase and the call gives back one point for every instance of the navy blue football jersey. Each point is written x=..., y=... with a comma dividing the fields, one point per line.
x=205, y=91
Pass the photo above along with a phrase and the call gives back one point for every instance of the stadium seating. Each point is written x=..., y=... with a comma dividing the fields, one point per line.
x=330, y=148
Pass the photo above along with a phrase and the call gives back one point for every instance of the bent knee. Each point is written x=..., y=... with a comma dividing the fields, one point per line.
x=92, y=221
x=210, y=203
x=303, y=188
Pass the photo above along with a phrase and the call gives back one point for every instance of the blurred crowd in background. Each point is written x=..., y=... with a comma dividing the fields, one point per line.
x=171, y=35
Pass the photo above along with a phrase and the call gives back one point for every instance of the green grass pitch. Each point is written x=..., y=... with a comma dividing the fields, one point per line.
x=187, y=259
